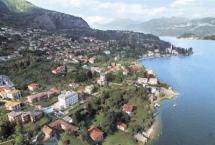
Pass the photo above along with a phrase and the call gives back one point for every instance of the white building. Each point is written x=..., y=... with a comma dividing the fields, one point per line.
x=153, y=81
x=67, y=99
x=141, y=138
x=142, y=80
x=89, y=89
x=150, y=72
x=150, y=53
x=102, y=80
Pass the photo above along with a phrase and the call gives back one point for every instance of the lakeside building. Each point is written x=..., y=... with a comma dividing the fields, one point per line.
x=142, y=81
x=141, y=138
x=67, y=99
x=150, y=72
x=153, y=81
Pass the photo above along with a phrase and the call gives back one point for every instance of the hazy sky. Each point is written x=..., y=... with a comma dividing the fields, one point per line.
x=103, y=11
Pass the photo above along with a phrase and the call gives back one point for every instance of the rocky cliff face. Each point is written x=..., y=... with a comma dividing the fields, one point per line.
x=38, y=18
x=58, y=21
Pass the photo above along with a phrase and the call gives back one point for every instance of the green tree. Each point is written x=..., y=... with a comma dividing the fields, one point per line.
x=6, y=129
x=21, y=138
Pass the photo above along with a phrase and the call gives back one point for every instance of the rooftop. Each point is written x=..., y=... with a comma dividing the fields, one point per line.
x=67, y=94
x=96, y=133
x=11, y=103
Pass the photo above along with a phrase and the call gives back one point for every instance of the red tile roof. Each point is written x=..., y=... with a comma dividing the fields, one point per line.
x=96, y=134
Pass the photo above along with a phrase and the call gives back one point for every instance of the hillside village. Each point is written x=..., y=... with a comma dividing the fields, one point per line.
x=60, y=90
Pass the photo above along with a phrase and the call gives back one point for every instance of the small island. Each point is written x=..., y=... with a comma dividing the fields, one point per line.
x=192, y=36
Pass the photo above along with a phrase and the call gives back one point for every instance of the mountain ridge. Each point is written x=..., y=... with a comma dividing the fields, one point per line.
x=18, y=5
x=13, y=13
x=174, y=26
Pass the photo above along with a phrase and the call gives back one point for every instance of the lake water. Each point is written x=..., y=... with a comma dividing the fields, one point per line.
x=192, y=120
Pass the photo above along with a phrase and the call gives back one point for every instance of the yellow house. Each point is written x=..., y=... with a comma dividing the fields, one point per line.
x=10, y=93
x=12, y=105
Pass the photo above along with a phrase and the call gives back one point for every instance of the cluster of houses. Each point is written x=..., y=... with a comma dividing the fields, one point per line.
x=8, y=31
x=114, y=67
x=71, y=51
x=157, y=53
x=35, y=39
x=66, y=99
x=7, y=89
x=10, y=34
x=150, y=79
x=56, y=126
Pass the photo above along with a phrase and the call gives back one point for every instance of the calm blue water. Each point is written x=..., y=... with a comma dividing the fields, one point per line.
x=192, y=121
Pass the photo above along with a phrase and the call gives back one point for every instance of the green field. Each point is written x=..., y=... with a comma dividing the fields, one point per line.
x=120, y=138
x=72, y=139
x=10, y=142
x=141, y=117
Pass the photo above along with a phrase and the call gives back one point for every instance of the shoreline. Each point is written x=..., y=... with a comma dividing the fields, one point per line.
x=171, y=94
x=156, y=57
x=153, y=132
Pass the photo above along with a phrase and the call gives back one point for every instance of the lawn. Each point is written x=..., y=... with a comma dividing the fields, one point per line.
x=9, y=142
x=141, y=116
x=119, y=138
x=35, y=127
x=73, y=140
x=99, y=119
